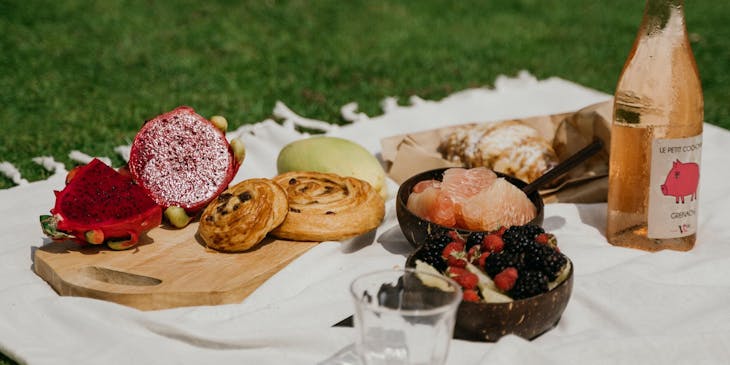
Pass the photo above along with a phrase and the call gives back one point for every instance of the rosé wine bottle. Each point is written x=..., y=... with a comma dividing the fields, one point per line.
x=656, y=137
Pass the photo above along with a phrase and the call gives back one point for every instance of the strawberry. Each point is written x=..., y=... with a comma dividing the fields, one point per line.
x=492, y=243
x=505, y=280
x=471, y=295
x=500, y=231
x=465, y=278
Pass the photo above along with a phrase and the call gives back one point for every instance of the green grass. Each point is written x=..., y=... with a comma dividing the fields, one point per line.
x=84, y=75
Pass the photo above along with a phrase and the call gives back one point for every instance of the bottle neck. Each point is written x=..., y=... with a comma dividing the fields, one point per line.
x=658, y=14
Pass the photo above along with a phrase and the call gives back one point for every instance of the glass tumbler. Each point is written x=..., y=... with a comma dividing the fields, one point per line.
x=404, y=316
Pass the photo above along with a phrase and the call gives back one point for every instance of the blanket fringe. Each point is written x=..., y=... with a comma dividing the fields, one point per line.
x=349, y=113
x=83, y=158
x=293, y=120
x=290, y=121
x=123, y=151
x=9, y=170
x=50, y=164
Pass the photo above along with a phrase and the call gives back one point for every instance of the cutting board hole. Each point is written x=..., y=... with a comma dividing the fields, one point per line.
x=118, y=277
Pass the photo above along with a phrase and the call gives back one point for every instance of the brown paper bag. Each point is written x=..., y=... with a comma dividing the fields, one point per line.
x=409, y=154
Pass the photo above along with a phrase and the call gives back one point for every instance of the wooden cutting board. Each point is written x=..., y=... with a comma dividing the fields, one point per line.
x=168, y=268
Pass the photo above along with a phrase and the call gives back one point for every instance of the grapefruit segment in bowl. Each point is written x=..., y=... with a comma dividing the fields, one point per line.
x=473, y=199
x=499, y=203
x=434, y=204
x=461, y=184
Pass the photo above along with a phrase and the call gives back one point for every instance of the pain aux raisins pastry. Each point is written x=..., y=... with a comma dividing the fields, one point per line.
x=243, y=215
x=327, y=207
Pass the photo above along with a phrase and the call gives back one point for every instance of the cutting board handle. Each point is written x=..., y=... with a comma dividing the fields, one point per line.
x=116, y=277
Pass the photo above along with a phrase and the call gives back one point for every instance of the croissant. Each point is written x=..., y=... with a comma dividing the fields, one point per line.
x=510, y=147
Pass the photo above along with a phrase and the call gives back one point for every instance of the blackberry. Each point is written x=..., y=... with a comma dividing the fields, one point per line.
x=474, y=239
x=442, y=239
x=553, y=262
x=496, y=262
x=518, y=244
x=532, y=230
x=520, y=238
x=544, y=258
x=534, y=253
x=432, y=249
x=529, y=283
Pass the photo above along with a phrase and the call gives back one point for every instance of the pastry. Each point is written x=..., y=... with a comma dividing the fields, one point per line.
x=243, y=215
x=328, y=207
x=510, y=147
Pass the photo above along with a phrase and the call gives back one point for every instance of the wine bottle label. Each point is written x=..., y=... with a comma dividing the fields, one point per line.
x=673, y=187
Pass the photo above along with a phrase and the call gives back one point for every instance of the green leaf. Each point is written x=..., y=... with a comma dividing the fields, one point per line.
x=49, y=224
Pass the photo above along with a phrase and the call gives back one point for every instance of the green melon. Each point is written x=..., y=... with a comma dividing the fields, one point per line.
x=333, y=155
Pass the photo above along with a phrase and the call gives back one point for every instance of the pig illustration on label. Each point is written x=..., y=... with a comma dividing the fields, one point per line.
x=681, y=181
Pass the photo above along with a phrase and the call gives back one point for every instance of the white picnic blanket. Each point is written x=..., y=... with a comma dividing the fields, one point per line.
x=628, y=306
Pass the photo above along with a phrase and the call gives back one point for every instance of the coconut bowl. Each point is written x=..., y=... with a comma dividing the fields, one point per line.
x=527, y=318
x=417, y=229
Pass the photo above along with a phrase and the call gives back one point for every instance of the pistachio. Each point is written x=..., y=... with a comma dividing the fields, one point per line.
x=219, y=122
x=177, y=216
x=122, y=244
x=94, y=236
x=239, y=150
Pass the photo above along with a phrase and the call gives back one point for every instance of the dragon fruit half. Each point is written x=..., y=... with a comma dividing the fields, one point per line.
x=100, y=205
x=182, y=160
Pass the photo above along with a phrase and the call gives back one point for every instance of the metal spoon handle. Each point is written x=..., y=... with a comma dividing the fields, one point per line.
x=564, y=166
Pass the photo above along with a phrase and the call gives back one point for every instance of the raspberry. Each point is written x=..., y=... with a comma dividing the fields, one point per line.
x=455, y=261
x=529, y=283
x=465, y=278
x=474, y=253
x=547, y=239
x=501, y=231
x=452, y=248
x=454, y=254
x=482, y=259
x=471, y=295
x=543, y=238
x=505, y=280
x=492, y=243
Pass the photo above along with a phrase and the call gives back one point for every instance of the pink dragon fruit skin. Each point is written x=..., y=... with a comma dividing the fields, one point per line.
x=99, y=205
x=181, y=159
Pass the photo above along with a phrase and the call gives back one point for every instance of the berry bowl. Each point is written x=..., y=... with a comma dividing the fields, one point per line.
x=417, y=229
x=504, y=297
